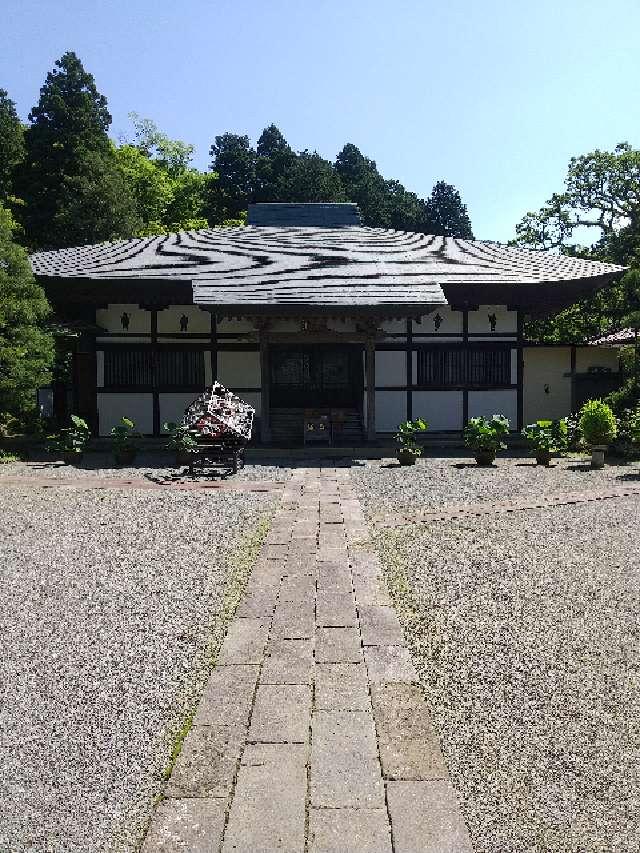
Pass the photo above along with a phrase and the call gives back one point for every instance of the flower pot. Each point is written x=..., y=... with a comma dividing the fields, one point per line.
x=597, y=455
x=183, y=457
x=125, y=456
x=72, y=457
x=485, y=457
x=406, y=457
x=543, y=457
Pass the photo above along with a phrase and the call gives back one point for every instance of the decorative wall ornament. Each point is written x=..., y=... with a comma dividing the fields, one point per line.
x=492, y=321
x=437, y=322
x=124, y=320
x=184, y=323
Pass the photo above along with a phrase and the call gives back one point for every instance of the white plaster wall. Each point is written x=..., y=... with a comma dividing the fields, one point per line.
x=506, y=321
x=587, y=357
x=138, y=407
x=172, y=406
x=235, y=326
x=109, y=318
x=545, y=368
x=239, y=369
x=169, y=320
x=441, y=409
x=495, y=402
x=451, y=323
x=391, y=409
x=391, y=368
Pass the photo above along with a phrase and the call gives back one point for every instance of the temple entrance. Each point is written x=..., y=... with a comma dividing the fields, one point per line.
x=324, y=380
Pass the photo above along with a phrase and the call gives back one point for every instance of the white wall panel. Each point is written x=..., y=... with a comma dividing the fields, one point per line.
x=391, y=367
x=110, y=318
x=391, y=409
x=506, y=321
x=441, y=409
x=495, y=402
x=113, y=407
x=450, y=323
x=198, y=321
x=547, y=385
x=172, y=405
x=239, y=369
x=235, y=326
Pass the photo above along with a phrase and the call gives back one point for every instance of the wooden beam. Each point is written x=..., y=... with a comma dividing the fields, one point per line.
x=265, y=413
x=370, y=350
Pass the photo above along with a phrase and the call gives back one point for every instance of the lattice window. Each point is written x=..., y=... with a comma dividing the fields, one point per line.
x=124, y=367
x=454, y=367
x=180, y=369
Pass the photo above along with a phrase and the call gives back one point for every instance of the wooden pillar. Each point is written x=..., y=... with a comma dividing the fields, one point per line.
x=265, y=381
x=520, y=369
x=465, y=341
x=370, y=349
x=154, y=372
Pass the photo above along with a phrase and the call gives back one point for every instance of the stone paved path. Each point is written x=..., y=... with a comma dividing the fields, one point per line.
x=312, y=734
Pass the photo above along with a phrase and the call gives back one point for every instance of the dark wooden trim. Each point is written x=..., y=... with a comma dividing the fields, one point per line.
x=573, y=374
x=409, y=371
x=465, y=344
x=510, y=386
x=520, y=371
x=154, y=350
x=265, y=382
x=213, y=334
x=370, y=377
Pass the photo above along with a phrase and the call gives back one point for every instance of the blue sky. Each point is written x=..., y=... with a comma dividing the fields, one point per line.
x=492, y=96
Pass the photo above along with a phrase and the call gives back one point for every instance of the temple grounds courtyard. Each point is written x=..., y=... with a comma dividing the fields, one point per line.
x=437, y=658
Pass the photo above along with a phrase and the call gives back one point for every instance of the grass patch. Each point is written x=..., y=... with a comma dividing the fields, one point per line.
x=6, y=456
x=178, y=741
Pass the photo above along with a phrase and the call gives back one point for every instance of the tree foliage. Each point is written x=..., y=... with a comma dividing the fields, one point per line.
x=601, y=196
x=70, y=182
x=11, y=145
x=26, y=349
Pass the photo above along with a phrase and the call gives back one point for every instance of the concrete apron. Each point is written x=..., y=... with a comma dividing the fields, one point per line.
x=312, y=734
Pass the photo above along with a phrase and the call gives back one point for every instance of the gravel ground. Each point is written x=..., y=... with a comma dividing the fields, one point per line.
x=525, y=632
x=109, y=604
x=154, y=465
x=436, y=482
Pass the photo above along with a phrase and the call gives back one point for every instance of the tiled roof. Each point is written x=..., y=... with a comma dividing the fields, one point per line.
x=349, y=266
x=320, y=215
x=624, y=337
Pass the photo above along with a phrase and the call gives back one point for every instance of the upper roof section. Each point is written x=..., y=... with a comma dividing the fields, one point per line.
x=304, y=215
x=622, y=338
x=348, y=267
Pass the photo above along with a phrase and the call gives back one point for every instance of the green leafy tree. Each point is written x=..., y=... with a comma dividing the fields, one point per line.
x=274, y=161
x=234, y=161
x=11, y=145
x=313, y=179
x=601, y=196
x=26, y=349
x=73, y=190
x=364, y=185
x=446, y=213
x=172, y=154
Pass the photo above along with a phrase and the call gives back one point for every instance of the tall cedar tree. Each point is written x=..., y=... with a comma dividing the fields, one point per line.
x=11, y=145
x=71, y=184
x=26, y=349
x=447, y=214
x=234, y=161
x=274, y=163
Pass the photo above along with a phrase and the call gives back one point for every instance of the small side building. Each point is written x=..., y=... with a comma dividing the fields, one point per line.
x=306, y=309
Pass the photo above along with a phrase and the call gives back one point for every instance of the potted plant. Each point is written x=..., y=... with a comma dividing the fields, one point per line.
x=181, y=441
x=598, y=427
x=409, y=449
x=485, y=436
x=71, y=441
x=546, y=439
x=124, y=441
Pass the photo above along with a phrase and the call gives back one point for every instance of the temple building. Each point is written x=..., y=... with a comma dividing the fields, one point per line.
x=305, y=310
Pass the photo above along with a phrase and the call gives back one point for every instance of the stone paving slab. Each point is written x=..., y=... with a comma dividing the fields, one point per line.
x=425, y=817
x=281, y=714
x=408, y=744
x=311, y=719
x=342, y=830
x=268, y=808
x=195, y=825
x=345, y=768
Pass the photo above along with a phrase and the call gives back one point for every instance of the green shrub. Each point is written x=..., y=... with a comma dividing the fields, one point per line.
x=124, y=436
x=73, y=439
x=550, y=436
x=406, y=435
x=486, y=434
x=180, y=439
x=597, y=423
